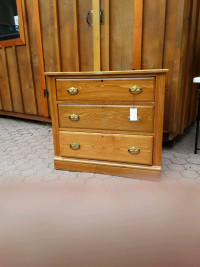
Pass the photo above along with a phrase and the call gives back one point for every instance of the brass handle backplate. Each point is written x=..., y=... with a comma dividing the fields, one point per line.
x=75, y=146
x=72, y=90
x=134, y=150
x=74, y=117
x=135, y=90
x=138, y=118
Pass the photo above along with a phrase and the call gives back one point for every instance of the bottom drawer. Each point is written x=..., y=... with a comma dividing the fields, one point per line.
x=111, y=147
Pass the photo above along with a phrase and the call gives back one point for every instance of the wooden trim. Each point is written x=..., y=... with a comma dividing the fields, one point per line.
x=110, y=168
x=54, y=112
x=75, y=16
x=20, y=86
x=25, y=116
x=159, y=116
x=96, y=35
x=107, y=35
x=8, y=77
x=57, y=34
x=115, y=73
x=21, y=40
x=137, y=34
x=29, y=53
x=40, y=55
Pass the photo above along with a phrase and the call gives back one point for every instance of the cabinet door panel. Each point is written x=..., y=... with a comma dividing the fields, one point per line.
x=121, y=34
x=85, y=35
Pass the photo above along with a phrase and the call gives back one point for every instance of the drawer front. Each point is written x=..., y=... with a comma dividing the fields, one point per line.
x=105, y=117
x=111, y=147
x=106, y=90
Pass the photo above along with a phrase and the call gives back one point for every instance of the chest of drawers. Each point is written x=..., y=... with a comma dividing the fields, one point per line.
x=91, y=121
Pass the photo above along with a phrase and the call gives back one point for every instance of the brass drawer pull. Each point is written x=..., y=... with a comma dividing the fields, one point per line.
x=74, y=117
x=138, y=119
x=135, y=90
x=75, y=146
x=72, y=90
x=133, y=150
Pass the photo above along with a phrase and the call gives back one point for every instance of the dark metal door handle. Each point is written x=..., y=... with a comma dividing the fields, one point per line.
x=101, y=20
x=87, y=18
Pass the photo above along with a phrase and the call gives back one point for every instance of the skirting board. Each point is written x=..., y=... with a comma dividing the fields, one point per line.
x=109, y=168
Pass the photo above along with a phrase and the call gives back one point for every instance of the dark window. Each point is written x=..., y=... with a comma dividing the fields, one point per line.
x=9, y=24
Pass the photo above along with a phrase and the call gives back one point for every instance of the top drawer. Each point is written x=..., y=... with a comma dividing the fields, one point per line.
x=106, y=90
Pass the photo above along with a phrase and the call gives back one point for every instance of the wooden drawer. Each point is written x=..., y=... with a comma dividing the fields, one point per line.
x=105, y=90
x=105, y=117
x=111, y=147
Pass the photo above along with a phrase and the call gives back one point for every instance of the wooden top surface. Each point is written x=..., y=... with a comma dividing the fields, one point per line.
x=101, y=73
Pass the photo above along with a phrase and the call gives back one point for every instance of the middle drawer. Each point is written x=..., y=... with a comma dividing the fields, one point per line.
x=105, y=117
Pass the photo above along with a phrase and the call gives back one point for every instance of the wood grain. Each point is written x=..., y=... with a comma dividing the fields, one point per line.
x=37, y=58
x=67, y=14
x=25, y=116
x=47, y=20
x=153, y=34
x=118, y=169
x=103, y=132
x=26, y=71
x=106, y=117
x=6, y=97
x=137, y=34
x=106, y=90
x=57, y=34
x=105, y=35
x=85, y=35
x=15, y=85
x=121, y=35
x=158, y=119
x=107, y=147
x=96, y=34
x=54, y=115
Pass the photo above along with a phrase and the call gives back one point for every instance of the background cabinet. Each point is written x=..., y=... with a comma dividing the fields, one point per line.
x=136, y=34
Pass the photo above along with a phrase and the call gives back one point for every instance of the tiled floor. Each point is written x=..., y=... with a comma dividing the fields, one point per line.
x=26, y=155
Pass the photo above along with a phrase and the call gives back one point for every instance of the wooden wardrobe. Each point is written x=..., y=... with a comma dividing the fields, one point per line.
x=76, y=35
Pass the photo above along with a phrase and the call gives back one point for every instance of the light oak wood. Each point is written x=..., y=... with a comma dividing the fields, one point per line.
x=106, y=90
x=55, y=124
x=158, y=119
x=106, y=117
x=128, y=132
x=96, y=34
x=101, y=135
x=110, y=168
x=105, y=35
x=85, y=35
x=110, y=74
x=107, y=147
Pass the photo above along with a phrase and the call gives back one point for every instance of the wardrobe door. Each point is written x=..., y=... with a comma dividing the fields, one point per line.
x=121, y=34
x=85, y=34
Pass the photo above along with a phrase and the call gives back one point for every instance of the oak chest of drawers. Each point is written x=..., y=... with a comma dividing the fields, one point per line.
x=92, y=127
